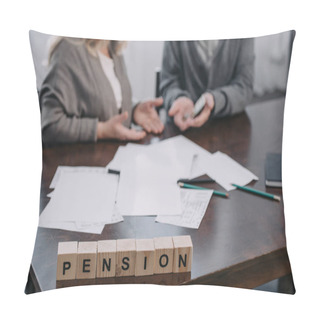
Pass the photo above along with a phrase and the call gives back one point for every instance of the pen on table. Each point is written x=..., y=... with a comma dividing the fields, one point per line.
x=190, y=186
x=113, y=171
x=258, y=192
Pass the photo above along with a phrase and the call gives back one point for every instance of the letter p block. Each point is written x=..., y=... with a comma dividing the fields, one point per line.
x=67, y=260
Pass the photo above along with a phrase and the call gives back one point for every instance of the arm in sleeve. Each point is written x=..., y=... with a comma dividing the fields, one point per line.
x=171, y=75
x=233, y=97
x=61, y=119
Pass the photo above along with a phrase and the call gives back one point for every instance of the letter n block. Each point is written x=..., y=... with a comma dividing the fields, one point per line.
x=67, y=260
x=126, y=257
x=106, y=258
x=144, y=257
x=87, y=260
x=163, y=260
x=183, y=248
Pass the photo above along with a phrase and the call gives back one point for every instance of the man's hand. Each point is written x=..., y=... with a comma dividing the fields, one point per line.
x=114, y=129
x=204, y=115
x=146, y=116
x=182, y=109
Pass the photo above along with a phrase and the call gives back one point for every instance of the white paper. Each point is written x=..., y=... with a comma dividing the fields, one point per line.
x=225, y=171
x=185, y=154
x=71, y=226
x=148, y=185
x=194, y=205
x=73, y=169
x=83, y=200
x=83, y=196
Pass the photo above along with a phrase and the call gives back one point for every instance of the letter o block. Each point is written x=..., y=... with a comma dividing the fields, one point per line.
x=183, y=250
x=67, y=260
x=126, y=257
x=87, y=260
x=163, y=259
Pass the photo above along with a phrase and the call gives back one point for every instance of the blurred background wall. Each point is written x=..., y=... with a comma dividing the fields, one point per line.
x=143, y=58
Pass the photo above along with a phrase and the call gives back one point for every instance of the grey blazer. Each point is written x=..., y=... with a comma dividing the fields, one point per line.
x=229, y=78
x=76, y=94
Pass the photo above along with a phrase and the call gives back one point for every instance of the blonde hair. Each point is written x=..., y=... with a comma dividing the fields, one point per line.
x=93, y=45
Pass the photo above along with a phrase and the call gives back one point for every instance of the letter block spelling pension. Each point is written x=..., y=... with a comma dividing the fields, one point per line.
x=106, y=258
x=123, y=257
x=163, y=255
x=144, y=257
x=67, y=260
x=182, y=253
x=87, y=260
x=126, y=257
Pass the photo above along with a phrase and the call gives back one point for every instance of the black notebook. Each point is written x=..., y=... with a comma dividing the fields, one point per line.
x=273, y=170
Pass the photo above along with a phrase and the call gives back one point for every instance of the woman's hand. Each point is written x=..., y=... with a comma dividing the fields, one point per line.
x=146, y=116
x=114, y=129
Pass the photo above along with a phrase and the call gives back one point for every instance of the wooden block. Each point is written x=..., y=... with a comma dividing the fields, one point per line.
x=87, y=260
x=126, y=256
x=183, y=249
x=106, y=258
x=163, y=260
x=67, y=260
x=144, y=257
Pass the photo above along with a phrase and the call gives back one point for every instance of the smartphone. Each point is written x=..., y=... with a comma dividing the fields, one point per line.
x=199, y=106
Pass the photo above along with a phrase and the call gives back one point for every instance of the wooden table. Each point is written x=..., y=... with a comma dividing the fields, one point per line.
x=240, y=242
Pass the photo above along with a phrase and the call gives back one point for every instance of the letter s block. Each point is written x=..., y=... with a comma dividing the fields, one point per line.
x=67, y=260
x=183, y=250
x=163, y=255
x=126, y=257
x=87, y=260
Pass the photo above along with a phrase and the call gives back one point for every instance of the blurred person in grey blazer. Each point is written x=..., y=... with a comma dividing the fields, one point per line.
x=86, y=95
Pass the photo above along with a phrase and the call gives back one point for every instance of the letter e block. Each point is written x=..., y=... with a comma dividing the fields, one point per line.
x=183, y=250
x=67, y=260
x=106, y=258
x=163, y=260
x=144, y=257
x=87, y=260
x=126, y=257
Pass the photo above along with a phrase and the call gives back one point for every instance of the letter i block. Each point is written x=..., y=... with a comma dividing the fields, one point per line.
x=163, y=260
x=183, y=249
x=67, y=260
x=126, y=256
x=144, y=257
x=87, y=260
x=106, y=258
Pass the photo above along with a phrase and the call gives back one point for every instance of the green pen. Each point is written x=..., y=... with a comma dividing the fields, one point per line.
x=258, y=192
x=190, y=186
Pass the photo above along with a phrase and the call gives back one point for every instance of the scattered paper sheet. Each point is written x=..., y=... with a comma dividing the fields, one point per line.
x=225, y=171
x=148, y=186
x=86, y=198
x=73, y=169
x=83, y=200
x=184, y=154
x=71, y=226
x=194, y=205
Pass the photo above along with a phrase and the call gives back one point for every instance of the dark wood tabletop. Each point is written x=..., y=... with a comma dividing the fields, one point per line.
x=241, y=240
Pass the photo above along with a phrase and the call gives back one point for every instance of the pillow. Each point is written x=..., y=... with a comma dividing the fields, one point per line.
x=186, y=205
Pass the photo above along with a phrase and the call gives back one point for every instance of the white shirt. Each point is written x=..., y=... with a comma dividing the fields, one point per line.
x=206, y=49
x=108, y=68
